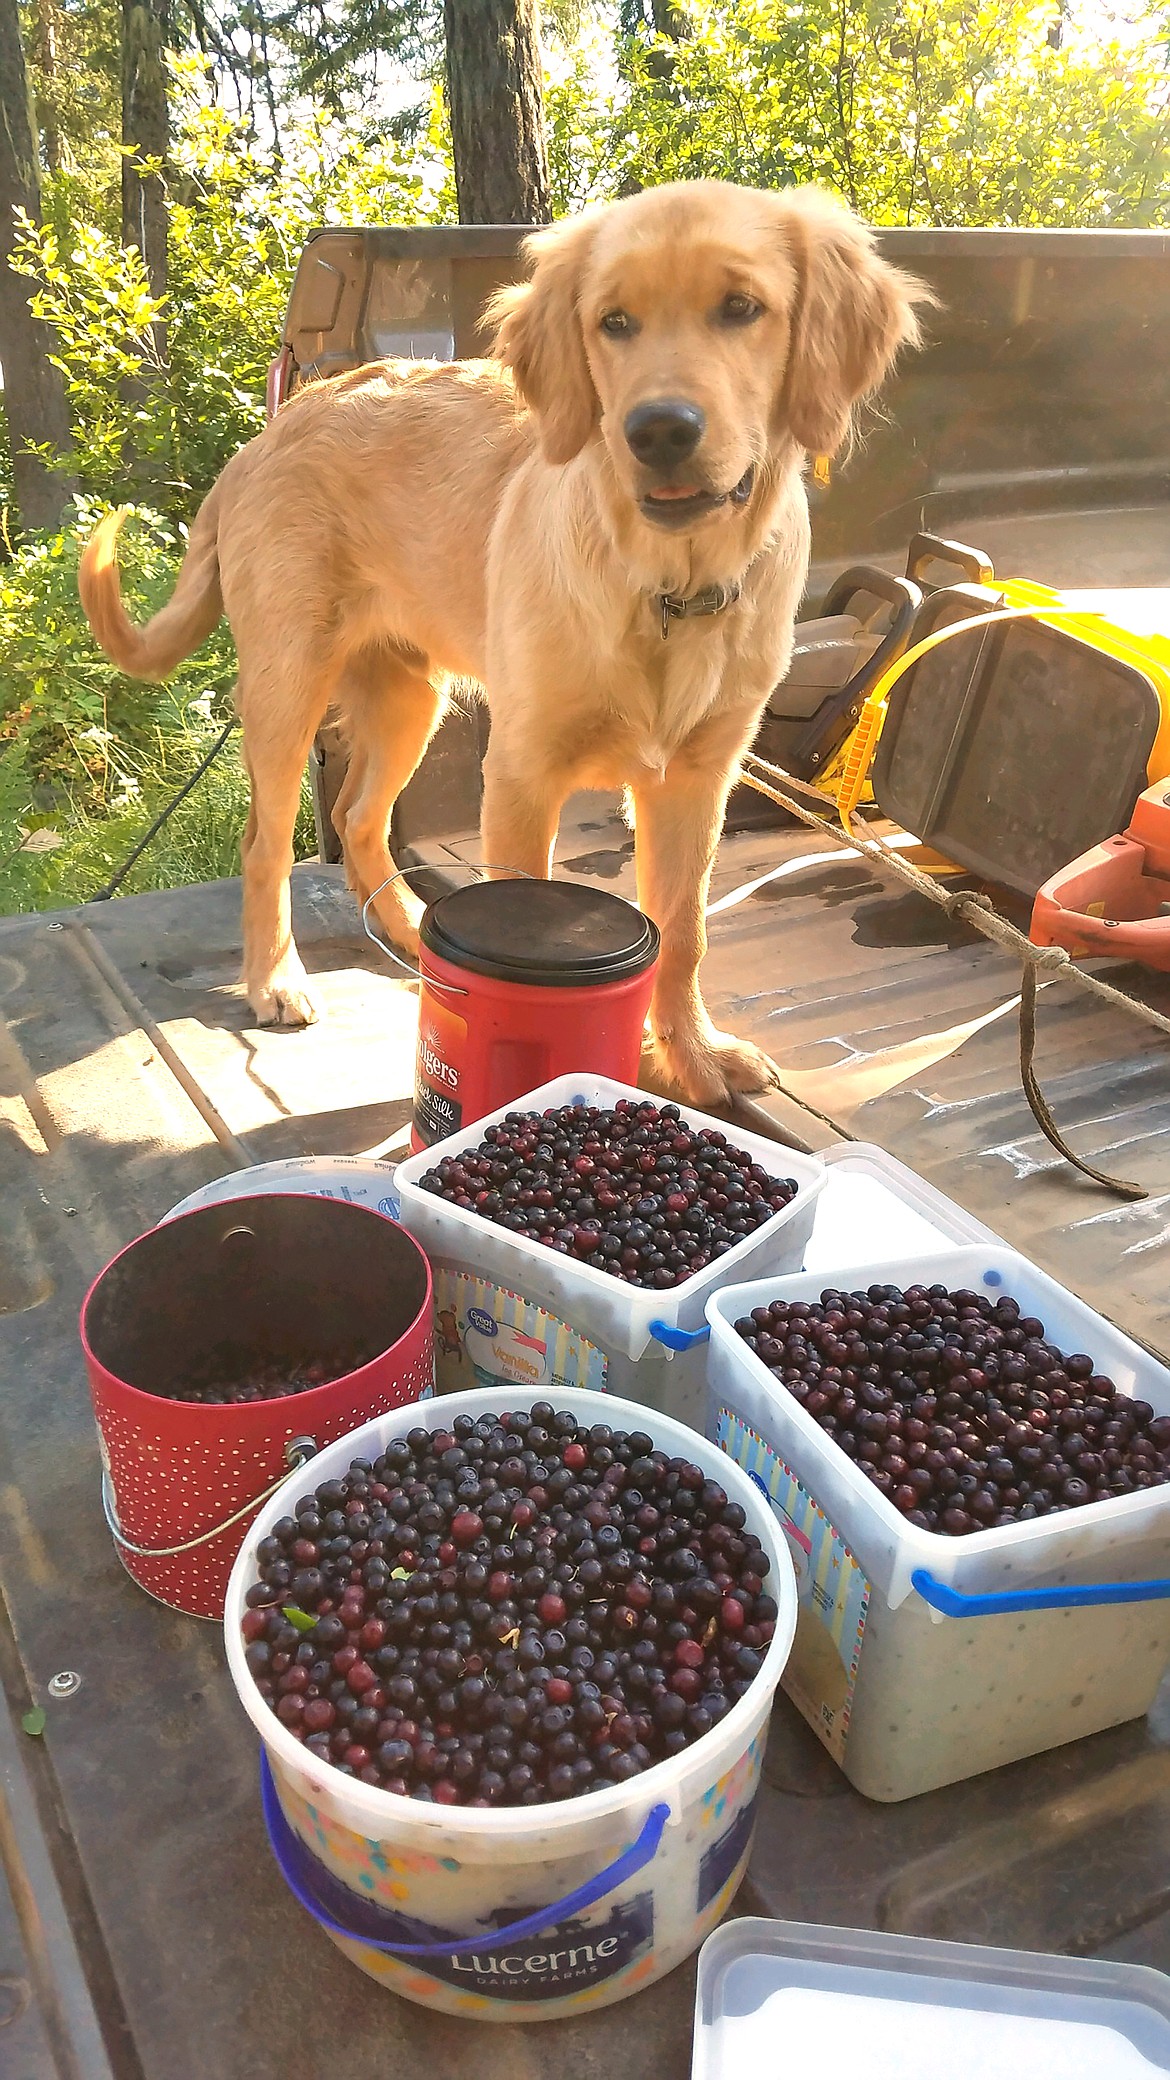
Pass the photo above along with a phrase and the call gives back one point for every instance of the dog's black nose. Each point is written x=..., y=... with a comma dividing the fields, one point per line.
x=664, y=431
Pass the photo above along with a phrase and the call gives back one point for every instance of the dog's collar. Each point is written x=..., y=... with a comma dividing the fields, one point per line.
x=712, y=600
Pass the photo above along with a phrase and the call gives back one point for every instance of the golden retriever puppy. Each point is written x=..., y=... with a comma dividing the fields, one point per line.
x=606, y=526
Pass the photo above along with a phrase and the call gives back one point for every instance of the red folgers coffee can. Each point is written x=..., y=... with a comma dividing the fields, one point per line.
x=523, y=981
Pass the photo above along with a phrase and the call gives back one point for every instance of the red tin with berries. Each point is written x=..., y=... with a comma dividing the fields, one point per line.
x=241, y=1297
x=523, y=981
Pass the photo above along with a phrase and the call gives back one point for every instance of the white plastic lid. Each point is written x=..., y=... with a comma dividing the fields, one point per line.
x=358, y=1179
x=871, y=1193
x=776, y=1996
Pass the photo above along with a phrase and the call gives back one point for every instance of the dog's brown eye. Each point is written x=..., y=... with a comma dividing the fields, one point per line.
x=738, y=309
x=618, y=324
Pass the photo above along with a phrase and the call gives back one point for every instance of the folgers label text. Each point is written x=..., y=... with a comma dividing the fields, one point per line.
x=438, y=1110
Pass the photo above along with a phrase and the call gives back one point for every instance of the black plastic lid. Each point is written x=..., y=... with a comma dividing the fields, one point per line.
x=550, y=934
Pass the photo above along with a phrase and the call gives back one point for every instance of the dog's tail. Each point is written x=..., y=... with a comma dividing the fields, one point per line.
x=152, y=651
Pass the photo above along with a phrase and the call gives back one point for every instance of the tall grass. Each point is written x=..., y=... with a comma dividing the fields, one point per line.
x=88, y=758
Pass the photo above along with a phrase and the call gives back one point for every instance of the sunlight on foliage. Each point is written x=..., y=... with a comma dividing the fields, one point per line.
x=942, y=112
x=919, y=112
x=88, y=757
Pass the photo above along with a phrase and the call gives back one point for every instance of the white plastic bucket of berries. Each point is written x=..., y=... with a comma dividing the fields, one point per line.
x=480, y=1824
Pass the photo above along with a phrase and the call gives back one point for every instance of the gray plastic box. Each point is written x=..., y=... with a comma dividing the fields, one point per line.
x=779, y=1997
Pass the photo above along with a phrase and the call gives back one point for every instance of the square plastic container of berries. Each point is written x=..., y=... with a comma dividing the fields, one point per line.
x=905, y=1675
x=615, y=1316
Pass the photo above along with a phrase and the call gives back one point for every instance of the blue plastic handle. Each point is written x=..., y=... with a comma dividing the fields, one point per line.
x=298, y=1867
x=953, y=1604
x=678, y=1339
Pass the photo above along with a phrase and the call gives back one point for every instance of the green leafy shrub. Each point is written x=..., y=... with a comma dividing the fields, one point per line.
x=89, y=757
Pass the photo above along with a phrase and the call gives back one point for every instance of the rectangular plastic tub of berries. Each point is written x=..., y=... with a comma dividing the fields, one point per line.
x=934, y=1647
x=511, y=1310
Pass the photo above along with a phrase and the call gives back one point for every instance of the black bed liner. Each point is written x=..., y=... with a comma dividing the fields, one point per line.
x=166, y=1918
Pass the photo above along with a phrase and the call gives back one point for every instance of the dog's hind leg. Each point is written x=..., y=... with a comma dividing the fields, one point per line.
x=280, y=715
x=393, y=710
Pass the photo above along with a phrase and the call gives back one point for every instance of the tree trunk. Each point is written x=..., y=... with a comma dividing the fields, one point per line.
x=670, y=20
x=145, y=138
x=145, y=133
x=497, y=111
x=43, y=54
x=34, y=394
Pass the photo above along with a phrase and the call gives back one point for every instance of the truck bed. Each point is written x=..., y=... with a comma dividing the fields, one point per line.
x=144, y=1933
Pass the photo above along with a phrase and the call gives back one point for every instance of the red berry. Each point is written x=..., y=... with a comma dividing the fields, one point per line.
x=575, y=1457
x=360, y=1677
x=466, y=1527
x=551, y=1609
x=731, y=1614
x=500, y=1585
x=689, y=1654
x=558, y=1691
x=372, y=1635
x=344, y=1659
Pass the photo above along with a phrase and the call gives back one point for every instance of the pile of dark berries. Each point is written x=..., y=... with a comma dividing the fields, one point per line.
x=513, y=1610
x=956, y=1407
x=635, y=1191
x=229, y=1374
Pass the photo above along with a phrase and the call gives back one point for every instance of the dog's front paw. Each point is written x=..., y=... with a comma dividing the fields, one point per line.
x=285, y=999
x=708, y=1068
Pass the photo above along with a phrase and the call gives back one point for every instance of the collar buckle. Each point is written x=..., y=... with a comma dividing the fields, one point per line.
x=714, y=599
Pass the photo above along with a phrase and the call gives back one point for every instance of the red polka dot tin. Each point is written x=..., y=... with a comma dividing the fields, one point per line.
x=265, y=1282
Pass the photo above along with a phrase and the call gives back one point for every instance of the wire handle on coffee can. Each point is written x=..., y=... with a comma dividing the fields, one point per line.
x=416, y=975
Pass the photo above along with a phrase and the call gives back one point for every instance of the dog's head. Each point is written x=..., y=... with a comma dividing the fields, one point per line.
x=702, y=328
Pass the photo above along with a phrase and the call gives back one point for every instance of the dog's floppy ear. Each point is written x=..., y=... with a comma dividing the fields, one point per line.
x=853, y=312
x=539, y=337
